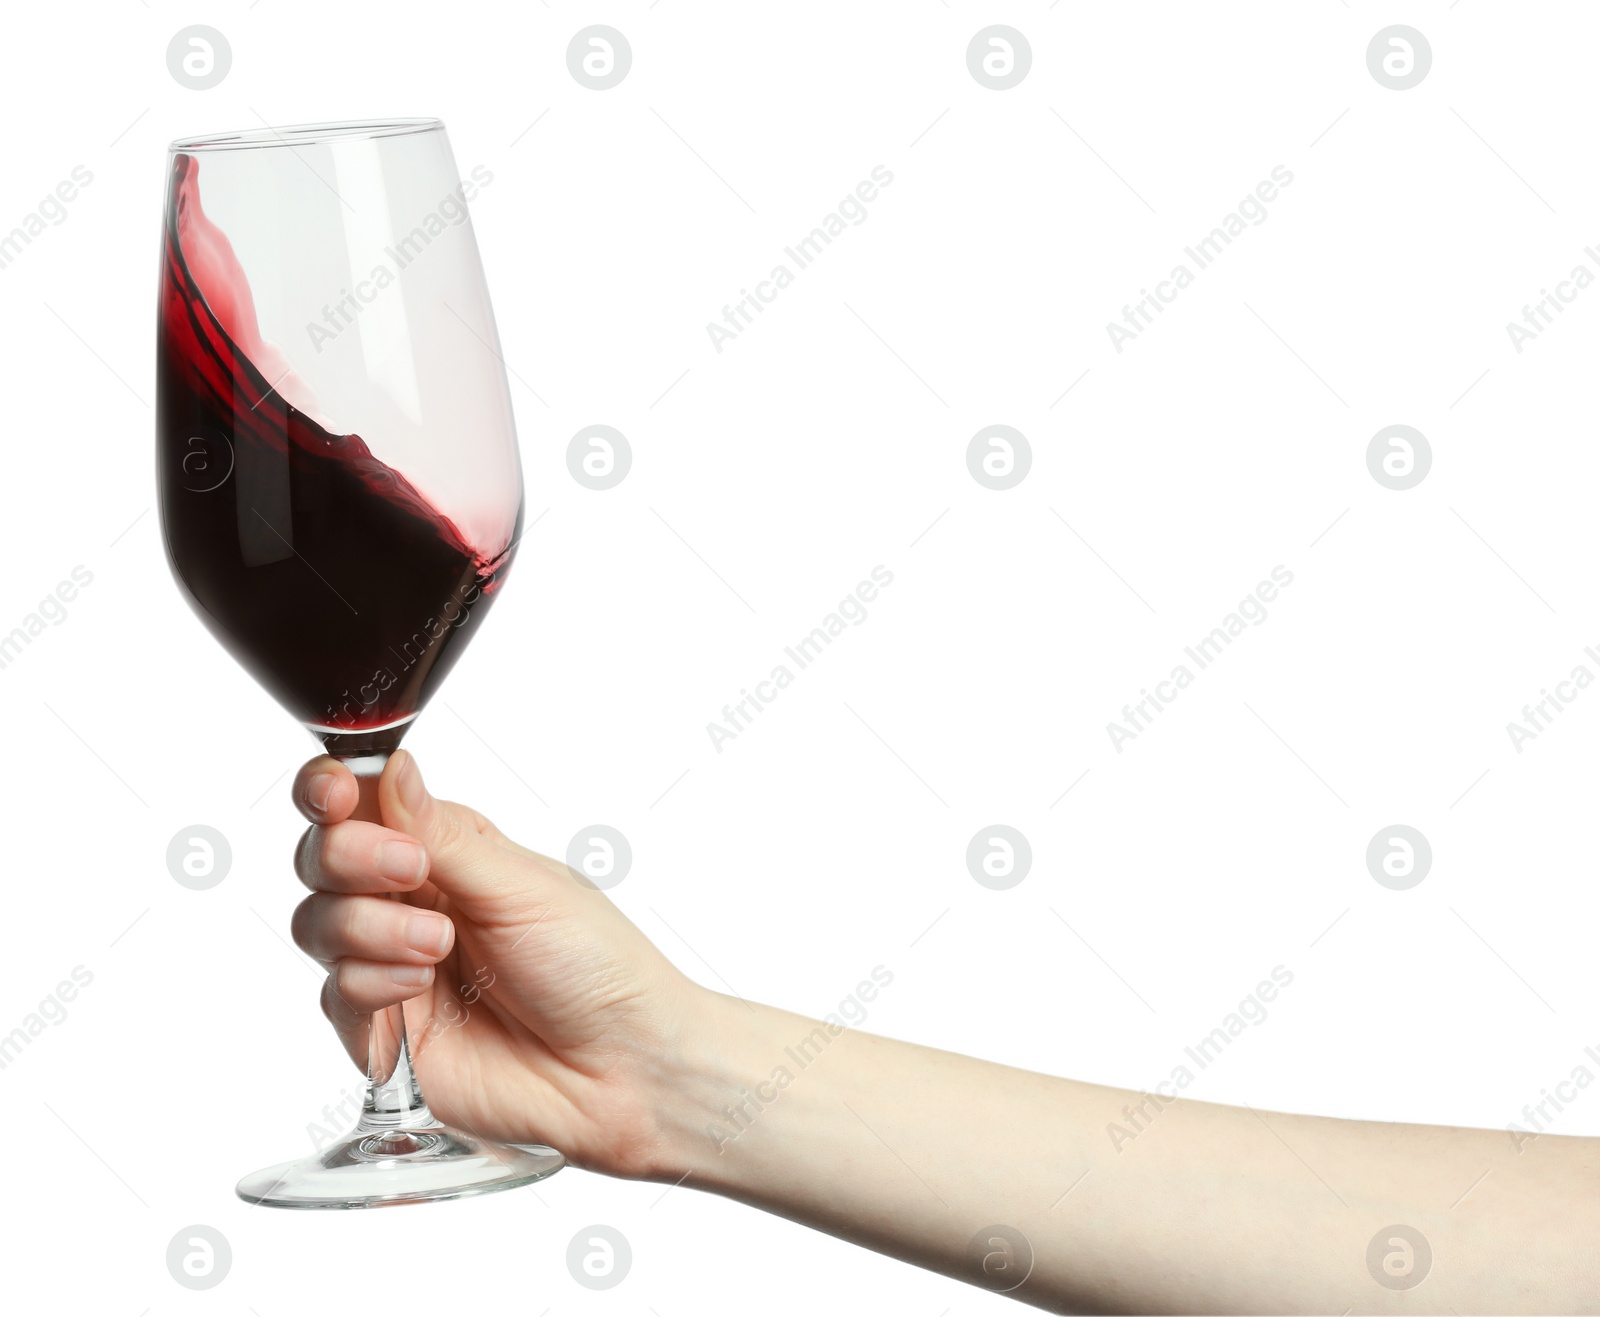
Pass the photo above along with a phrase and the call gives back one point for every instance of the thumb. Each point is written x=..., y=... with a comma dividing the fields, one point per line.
x=465, y=862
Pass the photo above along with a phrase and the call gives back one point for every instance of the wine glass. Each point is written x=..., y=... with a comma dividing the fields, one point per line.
x=341, y=498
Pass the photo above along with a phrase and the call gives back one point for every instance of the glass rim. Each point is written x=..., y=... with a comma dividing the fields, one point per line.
x=304, y=134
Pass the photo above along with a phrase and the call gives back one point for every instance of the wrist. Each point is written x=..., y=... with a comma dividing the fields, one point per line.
x=715, y=1085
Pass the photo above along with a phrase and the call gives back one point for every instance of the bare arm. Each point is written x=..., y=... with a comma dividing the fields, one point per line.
x=935, y=1158
x=561, y=1023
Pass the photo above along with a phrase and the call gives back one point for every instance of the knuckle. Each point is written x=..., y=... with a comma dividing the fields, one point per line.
x=302, y=924
x=341, y=978
x=366, y=923
x=448, y=834
x=345, y=991
x=305, y=855
x=333, y=854
x=346, y=850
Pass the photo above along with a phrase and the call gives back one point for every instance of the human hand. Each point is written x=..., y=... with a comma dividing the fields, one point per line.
x=537, y=1012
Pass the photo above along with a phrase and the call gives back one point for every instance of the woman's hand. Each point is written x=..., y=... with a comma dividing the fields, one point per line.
x=537, y=1012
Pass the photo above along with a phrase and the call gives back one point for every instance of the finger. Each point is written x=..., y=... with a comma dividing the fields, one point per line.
x=359, y=857
x=353, y=1026
x=467, y=861
x=325, y=790
x=328, y=927
x=369, y=985
x=356, y=989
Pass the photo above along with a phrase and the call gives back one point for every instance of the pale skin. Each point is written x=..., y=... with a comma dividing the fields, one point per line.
x=540, y=1014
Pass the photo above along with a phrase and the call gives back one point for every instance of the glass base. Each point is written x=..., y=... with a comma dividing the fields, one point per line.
x=392, y=1167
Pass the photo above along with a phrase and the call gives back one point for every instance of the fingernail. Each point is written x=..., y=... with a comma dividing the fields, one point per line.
x=428, y=935
x=319, y=790
x=402, y=861
x=411, y=976
x=409, y=785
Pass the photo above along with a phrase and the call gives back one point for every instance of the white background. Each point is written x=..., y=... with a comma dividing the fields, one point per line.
x=829, y=438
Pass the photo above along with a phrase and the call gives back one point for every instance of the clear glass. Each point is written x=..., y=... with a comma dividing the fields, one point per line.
x=341, y=497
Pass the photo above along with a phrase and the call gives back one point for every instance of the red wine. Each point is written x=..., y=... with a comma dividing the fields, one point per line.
x=326, y=574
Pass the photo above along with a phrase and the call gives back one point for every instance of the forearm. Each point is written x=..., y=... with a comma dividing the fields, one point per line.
x=917, y=1153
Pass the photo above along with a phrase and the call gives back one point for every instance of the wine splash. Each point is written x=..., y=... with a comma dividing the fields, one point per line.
x=323, y=570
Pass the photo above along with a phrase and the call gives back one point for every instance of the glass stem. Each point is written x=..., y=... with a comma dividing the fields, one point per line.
x=394, y=1099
